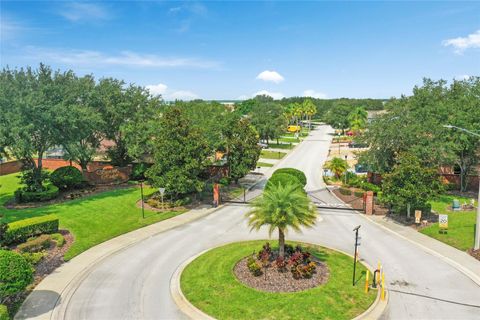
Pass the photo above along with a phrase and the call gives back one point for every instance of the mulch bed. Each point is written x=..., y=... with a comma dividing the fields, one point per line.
x=276, y=281
x=54, y=259
x=68, y=195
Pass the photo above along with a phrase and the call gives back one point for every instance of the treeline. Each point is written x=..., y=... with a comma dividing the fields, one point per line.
x=41, y=109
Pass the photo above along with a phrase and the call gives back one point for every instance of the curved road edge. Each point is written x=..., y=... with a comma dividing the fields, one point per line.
x=466, y=271
x=373, y=312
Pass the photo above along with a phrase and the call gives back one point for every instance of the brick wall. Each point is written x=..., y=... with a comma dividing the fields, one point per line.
x=10, y=167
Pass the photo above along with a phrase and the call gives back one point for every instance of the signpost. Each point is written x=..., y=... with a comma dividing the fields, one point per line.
x=443, y=223
x=162, y=192
x=357, y=243
x=418, y=216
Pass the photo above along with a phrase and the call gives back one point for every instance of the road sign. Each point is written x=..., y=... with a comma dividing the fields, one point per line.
x=443, y=221
x=418, y=216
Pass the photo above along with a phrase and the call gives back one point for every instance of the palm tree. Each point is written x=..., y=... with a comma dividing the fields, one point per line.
x=282, y=207
x=338, y=166
x=310, y=110
x=358, y=119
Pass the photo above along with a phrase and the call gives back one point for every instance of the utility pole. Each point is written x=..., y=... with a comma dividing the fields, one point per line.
x=357, y=243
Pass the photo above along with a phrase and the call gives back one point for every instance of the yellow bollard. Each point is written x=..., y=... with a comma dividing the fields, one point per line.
x=383, y=287
x=366, y=281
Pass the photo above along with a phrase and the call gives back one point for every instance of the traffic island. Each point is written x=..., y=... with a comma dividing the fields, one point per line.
x=209, y=286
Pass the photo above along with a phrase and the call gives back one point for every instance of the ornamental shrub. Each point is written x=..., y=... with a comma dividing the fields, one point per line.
x=36, y=244
x=4, y=312
x=58, y=239
x=358, y=194
x=20, y=231
x=50, y=192
x=283, y=179
x=345, y=191
x=294, y=172
x=15, y=273
x=33, y=257
x=67, y=178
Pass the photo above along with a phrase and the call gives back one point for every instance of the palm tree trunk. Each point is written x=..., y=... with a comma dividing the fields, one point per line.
x=281, y=243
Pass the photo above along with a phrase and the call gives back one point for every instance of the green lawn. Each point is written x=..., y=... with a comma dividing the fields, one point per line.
x=209, y=284
x=264, y=164
x=286, y=146
x=461, y=225
x=93, y=219
x=288, y=140
x=272, y=154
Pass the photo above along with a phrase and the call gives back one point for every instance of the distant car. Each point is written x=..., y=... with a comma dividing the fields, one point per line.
x=361, y=168
x=354, y=144
x=262, y=145
x=293, y=128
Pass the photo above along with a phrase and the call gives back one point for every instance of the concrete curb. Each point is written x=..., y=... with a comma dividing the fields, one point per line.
x=467, y=272
x=372, y=313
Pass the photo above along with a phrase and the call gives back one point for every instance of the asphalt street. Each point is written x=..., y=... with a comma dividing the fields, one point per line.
x=134, y=283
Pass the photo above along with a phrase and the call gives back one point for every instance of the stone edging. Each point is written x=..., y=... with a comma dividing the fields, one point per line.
x=372, y=313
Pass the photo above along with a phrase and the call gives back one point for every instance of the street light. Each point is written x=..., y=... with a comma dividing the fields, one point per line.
x=476, y=245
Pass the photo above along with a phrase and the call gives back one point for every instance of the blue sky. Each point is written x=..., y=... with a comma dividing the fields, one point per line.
x=231, y=50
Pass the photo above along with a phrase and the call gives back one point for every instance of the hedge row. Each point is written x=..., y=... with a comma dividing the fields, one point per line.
x=15, y=273
x=20, y=231
x=51, y=192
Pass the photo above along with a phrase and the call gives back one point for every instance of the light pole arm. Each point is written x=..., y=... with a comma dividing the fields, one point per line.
x=463, y=129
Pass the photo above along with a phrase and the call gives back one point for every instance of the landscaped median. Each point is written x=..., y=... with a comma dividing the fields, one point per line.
x=212, y=284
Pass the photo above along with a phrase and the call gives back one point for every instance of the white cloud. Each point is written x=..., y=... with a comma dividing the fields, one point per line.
x=274, y=95
x=10, y=28
x=314, y=94
x=83, y=11
x=271, y=76
x=461, y=44
x=125, y=58
x=182, y=95
x=157, y=89
x=462, y=77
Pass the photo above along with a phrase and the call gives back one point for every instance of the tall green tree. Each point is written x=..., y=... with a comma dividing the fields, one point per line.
x=410, y=184
x=268, y=120
x=358, y=119
x=337, y=116
x=242, y=147
x=30, y=103
x=338, y=166
x=282, y=207
x=180, y=154
x=310, y=109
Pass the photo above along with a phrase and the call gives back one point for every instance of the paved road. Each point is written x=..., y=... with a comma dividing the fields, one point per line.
x=134, y=283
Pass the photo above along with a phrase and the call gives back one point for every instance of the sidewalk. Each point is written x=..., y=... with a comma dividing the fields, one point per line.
x=456, y=258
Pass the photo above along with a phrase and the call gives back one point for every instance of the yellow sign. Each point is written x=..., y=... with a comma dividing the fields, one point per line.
x=443, y=221
x=418, y=216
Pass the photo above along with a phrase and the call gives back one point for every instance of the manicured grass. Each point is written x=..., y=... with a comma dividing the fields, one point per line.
x=286, y=146
x=264, y=164
x=461, y=224
x=93, y=219
x=272, y=154
x=288, y=140
x=209, y=284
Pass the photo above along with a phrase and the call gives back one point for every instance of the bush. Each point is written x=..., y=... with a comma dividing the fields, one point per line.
x=20, y=231
x=15, y=273
x=138, y=170
x=283, y=179
x=294, y=172
x=36, y=244
x=67, y=178
x=345, y=191
x=50, y=192
x=367, y=186
x=4, y=312
x=33, y=257
x=254, y=267
x=358, y=194
x=58, y=239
